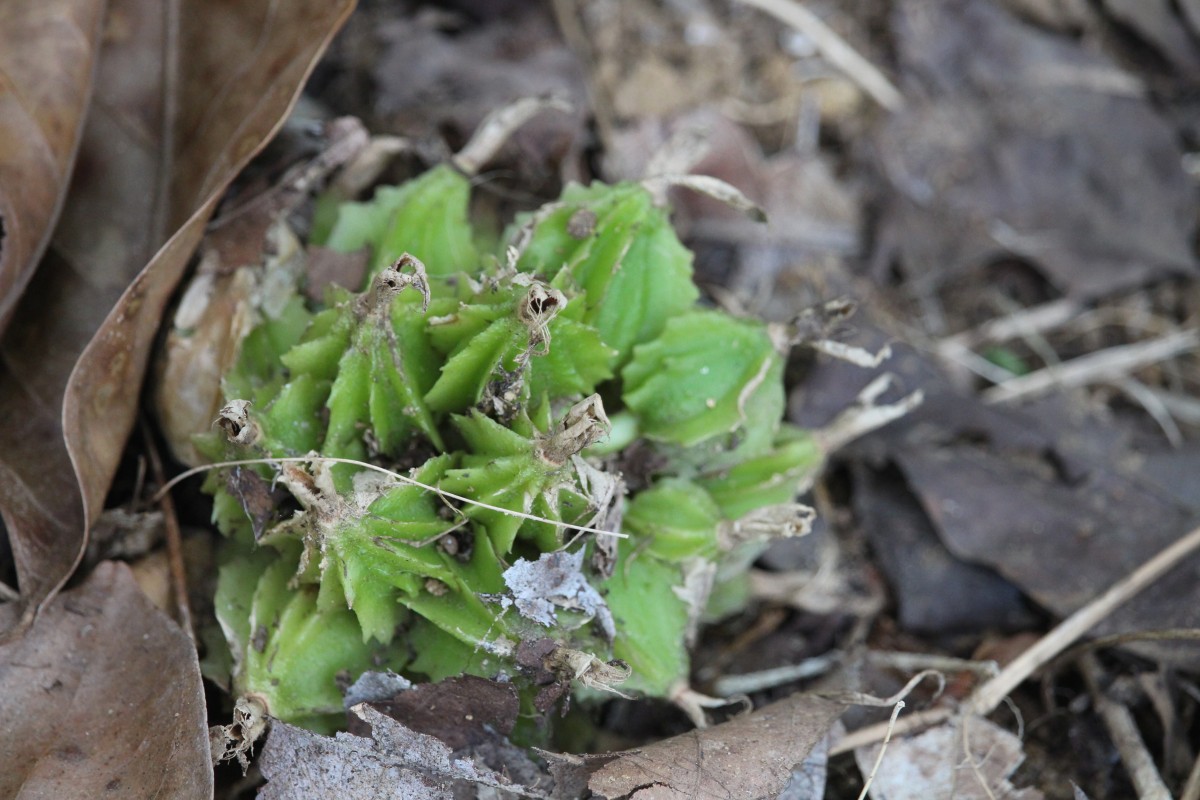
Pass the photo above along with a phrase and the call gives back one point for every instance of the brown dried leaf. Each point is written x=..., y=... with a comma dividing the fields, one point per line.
x=395, y=762
x=748, y=757
x=934, y=591
x=185, y=96
x=1062, y=538
x=1022, y=144
x=1054, y=498
x=463, y=711
x=47, y=54
x=102, y=698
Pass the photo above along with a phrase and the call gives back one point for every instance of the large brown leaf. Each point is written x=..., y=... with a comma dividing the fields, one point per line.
x=102, y=698
x=187, y=93
x=1020, y=143
x=47, y=58
x=748, y=757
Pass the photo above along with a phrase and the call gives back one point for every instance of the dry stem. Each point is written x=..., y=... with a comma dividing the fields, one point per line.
x=835, y=50
x=1124, y=733
x=174, y=538
x=1104, y=365
x=991, y=694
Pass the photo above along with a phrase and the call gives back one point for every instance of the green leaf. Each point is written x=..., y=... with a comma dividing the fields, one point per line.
x=426, y=217
x=467, y=373
x=505, y=470
x=767, y=480
x=319, y=351
x=294, y=654
x=349, y=406
x=677, y=518
x=651, y=622
x=258, y=373
x=628, y=265
x=575, y=363
x=495, y=342
x=708, y=375
x=403, y=369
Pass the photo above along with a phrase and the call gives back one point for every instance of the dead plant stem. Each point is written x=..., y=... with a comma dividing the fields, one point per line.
x=1103, y=365
x=1124, y=733
x=1191, y=789
x=174, y=537
x=988, y=696
x=887, y=737
x=835, y=49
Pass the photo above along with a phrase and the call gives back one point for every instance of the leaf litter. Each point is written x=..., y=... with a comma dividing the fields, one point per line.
x=394, y=761
x=102, y=696
x=1025, y=460
x=156, y=153
x=48, y=52
x=77, y=347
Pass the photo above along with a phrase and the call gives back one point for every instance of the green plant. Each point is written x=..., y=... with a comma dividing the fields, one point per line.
x=506, y=394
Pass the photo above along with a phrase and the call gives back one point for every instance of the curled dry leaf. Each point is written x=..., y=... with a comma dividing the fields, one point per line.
x=182, y=103
x=102, y=698
x=47, y=57
x=237, y=739
x=748, y=757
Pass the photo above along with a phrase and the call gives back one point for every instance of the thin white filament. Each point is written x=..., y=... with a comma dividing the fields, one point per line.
x=396, y=475
x=887, y=738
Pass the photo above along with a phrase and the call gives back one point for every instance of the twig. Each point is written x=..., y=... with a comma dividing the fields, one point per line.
x=1117, y=639
x=729, y=685
x=953, y=354
x=1034, y=339
x=1038, y=319
x=911, y=662
x=1191, y=789
x=498, y=127
x=887, y=737
x=988, y=696
x=970, y=757
x=865, y=415
x=1156, y=408
x=991, y=694
x=1124, y=733
x=1181, y=406
x=8, y=594
x=174, y=537
x=835, y=50
x=1104, y=365
x=861, y=699
x=875, y=733
x=364, y=168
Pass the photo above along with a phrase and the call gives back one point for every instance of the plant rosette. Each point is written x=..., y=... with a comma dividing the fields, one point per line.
x=431, y=467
